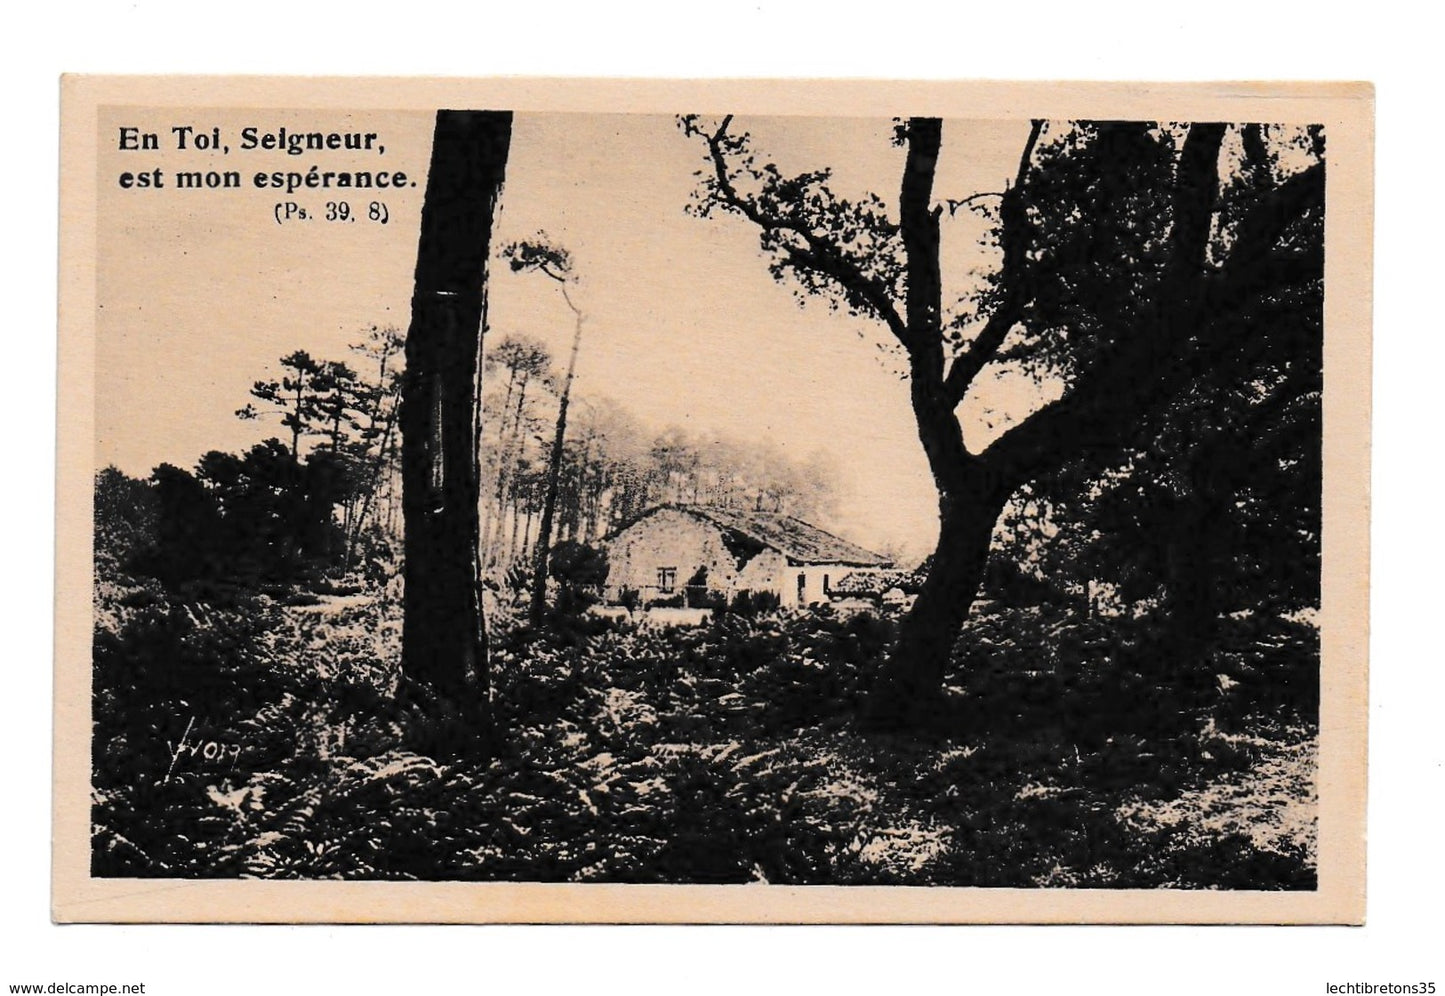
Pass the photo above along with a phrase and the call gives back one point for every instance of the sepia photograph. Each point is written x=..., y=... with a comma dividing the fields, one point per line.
x=522, y=493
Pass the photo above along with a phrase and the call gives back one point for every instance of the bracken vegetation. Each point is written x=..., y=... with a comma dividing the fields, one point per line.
x=255, y=736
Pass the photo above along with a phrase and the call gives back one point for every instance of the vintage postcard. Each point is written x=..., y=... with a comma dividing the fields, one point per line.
x=733, y=501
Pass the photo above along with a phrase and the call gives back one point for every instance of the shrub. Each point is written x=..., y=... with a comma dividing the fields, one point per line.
x=578, y=564
x=753, y=603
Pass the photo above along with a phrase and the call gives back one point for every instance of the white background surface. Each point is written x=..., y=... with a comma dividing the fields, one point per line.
x=897, y=38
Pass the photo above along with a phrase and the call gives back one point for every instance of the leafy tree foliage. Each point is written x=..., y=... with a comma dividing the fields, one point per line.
x=1120, y=267
x=124, y=515
x=312, y=397
x=1215, y=508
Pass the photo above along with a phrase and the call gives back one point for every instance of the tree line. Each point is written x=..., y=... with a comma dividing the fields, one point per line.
x=612, y=467
x=324, y=497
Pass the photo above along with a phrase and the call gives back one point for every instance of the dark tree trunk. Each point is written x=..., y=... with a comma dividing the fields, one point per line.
x=1192, y=541
x=514, y=518
x=908, y=689
x=444, y=642
x=296, y=425
x=538, y=609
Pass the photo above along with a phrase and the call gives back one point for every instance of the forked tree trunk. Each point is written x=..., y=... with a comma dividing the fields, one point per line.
x=908, y=688
x=1104, y=402
x=444, y=641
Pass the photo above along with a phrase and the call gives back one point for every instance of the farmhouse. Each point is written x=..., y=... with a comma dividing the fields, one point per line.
x=691, y=551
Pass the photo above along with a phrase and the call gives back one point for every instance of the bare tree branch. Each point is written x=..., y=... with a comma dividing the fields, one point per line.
x=1013, y=236
x=816, y=254
x=954, y=205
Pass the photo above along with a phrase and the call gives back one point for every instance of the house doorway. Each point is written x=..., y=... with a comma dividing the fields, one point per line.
x=802, y=588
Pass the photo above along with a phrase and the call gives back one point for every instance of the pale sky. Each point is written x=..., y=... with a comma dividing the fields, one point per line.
x=201, y=291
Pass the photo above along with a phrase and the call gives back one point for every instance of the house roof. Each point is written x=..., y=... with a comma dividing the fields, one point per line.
x=797, y=540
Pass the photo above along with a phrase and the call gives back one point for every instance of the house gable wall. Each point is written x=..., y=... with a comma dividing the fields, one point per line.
x=669, y=538
x=765, y=572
